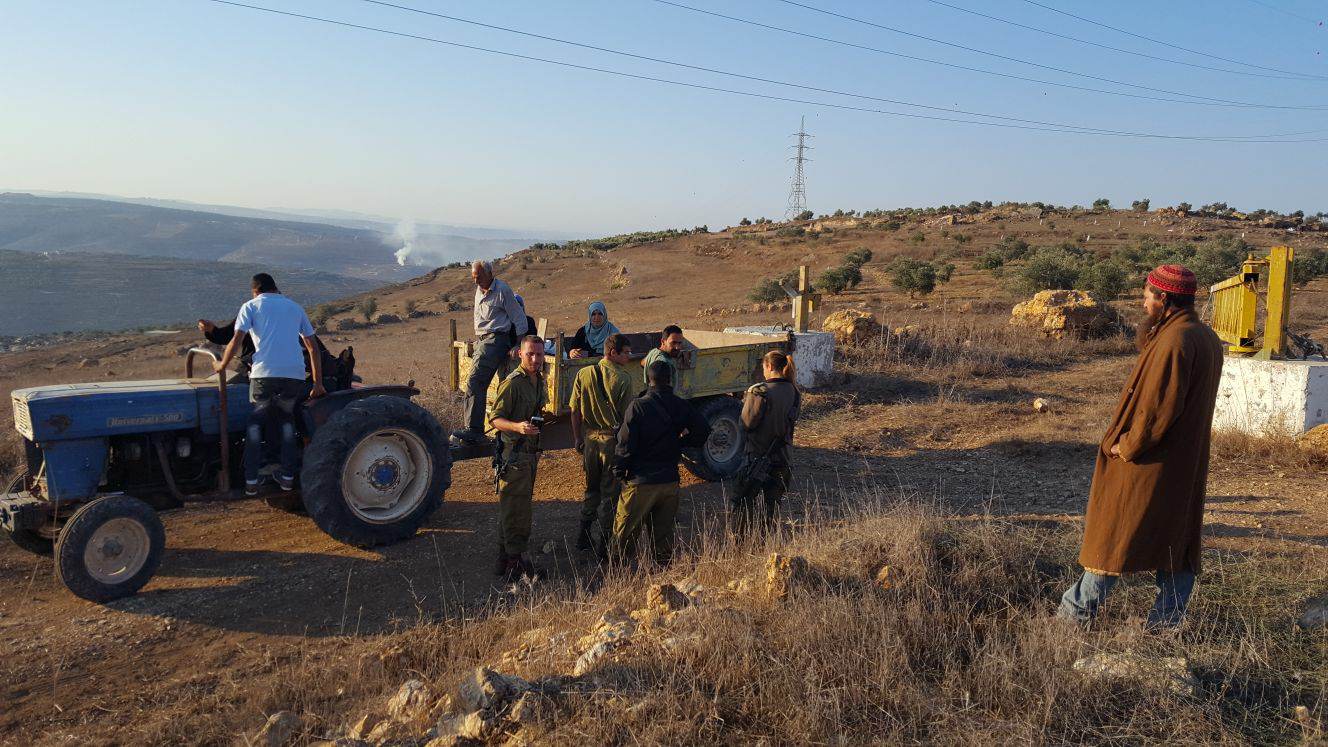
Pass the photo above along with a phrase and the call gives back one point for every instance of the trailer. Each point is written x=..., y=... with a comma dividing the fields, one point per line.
x=713, y=372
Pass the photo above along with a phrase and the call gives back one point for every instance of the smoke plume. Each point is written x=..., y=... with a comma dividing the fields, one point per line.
x=405, y=233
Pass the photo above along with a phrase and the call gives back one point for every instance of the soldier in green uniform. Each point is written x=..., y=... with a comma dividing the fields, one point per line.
x=516, y=413
x=769, y=413
x=600, y=396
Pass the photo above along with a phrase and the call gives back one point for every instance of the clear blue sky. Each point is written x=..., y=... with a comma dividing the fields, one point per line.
x=191, y=100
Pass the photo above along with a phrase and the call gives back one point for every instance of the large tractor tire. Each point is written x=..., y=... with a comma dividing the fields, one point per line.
x=109, y=548
x=725, y=449
x=376, y=471
x=28, y=539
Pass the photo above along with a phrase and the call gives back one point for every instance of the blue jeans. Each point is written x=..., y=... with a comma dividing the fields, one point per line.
x=274, y=402
x=1082, y=600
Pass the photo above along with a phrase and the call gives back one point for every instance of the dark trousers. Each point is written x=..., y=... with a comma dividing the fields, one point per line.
x=489, y=357
x=274, y=403
x=745, y=494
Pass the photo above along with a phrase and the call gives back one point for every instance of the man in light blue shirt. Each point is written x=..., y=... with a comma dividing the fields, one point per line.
x=499, y=322
x=282, y=336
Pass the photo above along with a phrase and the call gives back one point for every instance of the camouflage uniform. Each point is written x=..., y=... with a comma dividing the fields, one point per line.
x=601, y=394
x=769, y=412
x=517, y=400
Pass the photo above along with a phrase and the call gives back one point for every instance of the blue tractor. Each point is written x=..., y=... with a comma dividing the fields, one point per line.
x=103, y=459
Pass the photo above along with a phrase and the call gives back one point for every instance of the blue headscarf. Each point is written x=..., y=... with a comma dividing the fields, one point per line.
x=596, y=336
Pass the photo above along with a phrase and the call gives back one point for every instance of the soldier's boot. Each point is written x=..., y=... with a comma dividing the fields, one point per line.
x=526, y=567
x=500, y=568
x=583, y=538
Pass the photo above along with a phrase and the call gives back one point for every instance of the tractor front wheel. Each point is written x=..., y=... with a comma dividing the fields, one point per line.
x=376, y=471
x=109, y=548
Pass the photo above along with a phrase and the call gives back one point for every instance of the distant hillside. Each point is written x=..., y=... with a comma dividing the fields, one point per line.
x=52, y=224
x=79, y=291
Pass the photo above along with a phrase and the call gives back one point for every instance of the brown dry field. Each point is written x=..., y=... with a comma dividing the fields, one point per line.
x=244, y=590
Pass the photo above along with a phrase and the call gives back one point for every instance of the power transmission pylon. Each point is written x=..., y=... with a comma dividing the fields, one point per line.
x=797, y=201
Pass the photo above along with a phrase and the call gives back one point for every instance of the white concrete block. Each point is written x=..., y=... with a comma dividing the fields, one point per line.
x=1271, y=397
x=813, y=353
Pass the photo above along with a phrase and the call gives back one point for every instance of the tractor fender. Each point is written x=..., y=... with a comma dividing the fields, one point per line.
x=316, y=412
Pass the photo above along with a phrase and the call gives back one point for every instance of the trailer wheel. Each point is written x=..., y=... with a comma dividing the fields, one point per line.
x=725, y=449
x=30, y=540
x=109, y=548
x=376, y=471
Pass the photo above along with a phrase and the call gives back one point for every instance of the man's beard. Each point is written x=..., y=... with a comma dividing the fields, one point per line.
x=1143, y=332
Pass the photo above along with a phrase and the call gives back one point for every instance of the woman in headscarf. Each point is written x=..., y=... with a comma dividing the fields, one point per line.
x=590, y=338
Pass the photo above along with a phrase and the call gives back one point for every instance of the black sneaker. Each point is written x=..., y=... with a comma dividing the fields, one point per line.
x=287, y=483
x=250, y=489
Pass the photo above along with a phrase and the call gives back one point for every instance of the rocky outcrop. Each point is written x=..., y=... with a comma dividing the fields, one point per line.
x=1066, y=313
x=1167, y=673
x=851, y=326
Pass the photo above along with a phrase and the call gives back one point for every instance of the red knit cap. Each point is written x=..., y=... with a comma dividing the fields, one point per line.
x=1174, y=279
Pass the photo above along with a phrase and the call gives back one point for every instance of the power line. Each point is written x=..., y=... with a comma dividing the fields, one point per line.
x=999, y=56
x=1284, y=11
x=1099, y=45
x=1169, y=44
x=755, y=78
x=1258, y=139
x=1207, y=102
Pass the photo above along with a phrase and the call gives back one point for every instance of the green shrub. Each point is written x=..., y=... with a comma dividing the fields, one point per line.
x=767, y=291
x=1308, y=266
x=367, y=307
x=858, y=257
x=805, y=215
x=1101, y=203
x=918, y=237
x=912, y=275
x=944, y=271
x=1140, y=206
x=1049, y=268
x=412, y=306
x=1106, y=280
x=1012, y=248
x=834, y=281
x=789, y=232
x=1184, y=208
x=745, y=222
x=990, y=260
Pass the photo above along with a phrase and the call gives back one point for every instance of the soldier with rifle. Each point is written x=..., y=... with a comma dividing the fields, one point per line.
x=769, y=413
x=516, y=414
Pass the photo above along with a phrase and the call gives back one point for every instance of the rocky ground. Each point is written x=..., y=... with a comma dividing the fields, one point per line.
x=255, y=613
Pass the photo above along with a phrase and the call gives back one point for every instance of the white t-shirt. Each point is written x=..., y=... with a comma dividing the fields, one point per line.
x=276, y=323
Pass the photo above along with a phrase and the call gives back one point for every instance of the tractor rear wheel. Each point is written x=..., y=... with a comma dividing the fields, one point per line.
x=109, y=548
x=726, y=448
x=31, y=540
x=376, y=471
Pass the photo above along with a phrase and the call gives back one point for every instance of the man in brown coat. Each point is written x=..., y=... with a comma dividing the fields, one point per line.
x=1145, y=508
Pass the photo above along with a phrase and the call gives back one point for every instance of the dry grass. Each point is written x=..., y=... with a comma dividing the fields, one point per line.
x=961, y=649
x=1277, y=452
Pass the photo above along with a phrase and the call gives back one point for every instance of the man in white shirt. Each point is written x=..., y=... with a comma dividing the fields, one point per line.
x=276, y=381
x=499, y=322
